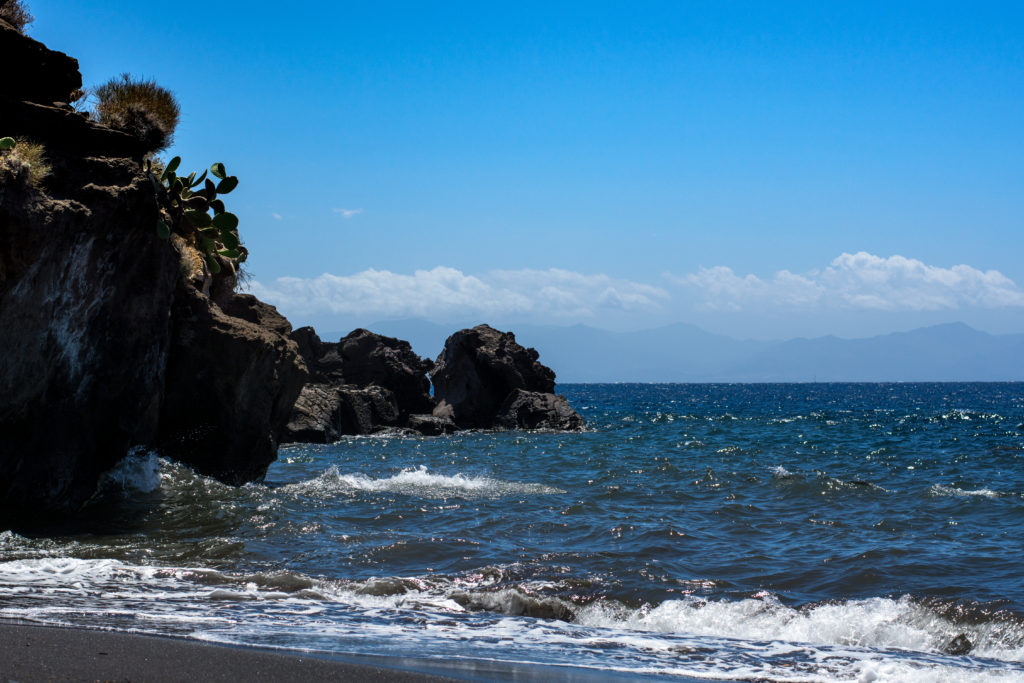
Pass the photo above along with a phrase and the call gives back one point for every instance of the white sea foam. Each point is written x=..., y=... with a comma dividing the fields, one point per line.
x=137, y=471
x=872, y=640
x=418, y=482
x=940, y=490
x=780, y=472
x=870, y=623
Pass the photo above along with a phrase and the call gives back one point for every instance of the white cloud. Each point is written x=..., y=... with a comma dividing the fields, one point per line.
x=277, y=216
x=856, y=281
x=445, y=291
x=348, y=213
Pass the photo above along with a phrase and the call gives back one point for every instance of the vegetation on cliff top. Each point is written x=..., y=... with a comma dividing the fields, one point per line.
x=15, y=13
x=140, y=107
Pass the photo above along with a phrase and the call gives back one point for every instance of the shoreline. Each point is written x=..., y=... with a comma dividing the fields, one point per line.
x=31, y=652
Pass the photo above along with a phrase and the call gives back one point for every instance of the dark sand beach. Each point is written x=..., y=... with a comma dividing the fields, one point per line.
x=44, y=653
x=48, y=653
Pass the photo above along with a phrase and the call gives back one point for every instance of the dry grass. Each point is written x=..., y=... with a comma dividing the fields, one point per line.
x=139, y=107
x=15, y=13
x=25, y=164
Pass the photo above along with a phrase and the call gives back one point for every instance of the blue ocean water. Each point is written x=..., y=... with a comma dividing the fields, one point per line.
x=789, y=532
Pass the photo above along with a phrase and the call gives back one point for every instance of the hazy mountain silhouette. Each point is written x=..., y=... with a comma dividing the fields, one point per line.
x=686, y=353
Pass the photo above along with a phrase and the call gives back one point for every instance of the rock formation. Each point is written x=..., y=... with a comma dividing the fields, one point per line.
x=106, y=344
x=363, y=383
x=485, y=379
x=536, y=410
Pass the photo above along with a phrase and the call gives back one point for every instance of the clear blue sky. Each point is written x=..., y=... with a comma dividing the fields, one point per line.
x=618, y=164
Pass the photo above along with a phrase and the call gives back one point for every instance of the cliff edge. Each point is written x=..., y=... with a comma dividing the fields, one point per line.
x=108, y=343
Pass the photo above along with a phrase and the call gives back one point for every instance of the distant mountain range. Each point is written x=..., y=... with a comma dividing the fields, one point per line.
x=686, y=353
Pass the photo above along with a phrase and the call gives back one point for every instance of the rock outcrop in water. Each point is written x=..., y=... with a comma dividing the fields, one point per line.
x=485, y=379
x=106, y=344
x=363, y=383
x=367, y=382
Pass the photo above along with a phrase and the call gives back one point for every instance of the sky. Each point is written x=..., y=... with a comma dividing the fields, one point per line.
x=764, y=170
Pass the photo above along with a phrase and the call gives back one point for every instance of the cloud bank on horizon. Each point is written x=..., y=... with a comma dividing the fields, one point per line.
x=851, y=282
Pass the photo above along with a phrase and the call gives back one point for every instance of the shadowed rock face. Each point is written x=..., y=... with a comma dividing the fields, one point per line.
x=104, y=344
x=34, y=72
x=85, y=299
x=231, y=383
x=477, y=371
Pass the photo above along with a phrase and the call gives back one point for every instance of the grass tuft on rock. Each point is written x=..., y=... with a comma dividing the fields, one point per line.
x=23, y=164
x=139, y=107
x=15, y=13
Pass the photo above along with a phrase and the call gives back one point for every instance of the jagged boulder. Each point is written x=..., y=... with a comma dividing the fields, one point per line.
x=363, y=383
x=477, y=371
x=230, y=387
x=322, y=359
x=34, y=72
x=324, y=413
x=373, y=359
x=535, y=410
x=431, y=425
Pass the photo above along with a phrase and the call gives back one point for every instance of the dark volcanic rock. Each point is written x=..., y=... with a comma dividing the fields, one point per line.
x=431, y=425
x=477, y=371
x=373, y=359
x=534, y=410
x=33, y=71
x=106, y=341
x=324, y=413
x=85, y=295
x=65, y=131
x=321, y=358
x=377, y=382
x=231, y=383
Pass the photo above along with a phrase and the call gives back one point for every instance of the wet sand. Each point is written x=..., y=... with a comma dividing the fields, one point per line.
x=48, y=653
x=44, y=653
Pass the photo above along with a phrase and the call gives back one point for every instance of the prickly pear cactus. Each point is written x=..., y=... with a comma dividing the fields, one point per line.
x=199, y=214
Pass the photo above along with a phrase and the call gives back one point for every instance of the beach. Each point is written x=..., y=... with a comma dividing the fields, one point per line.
x=29, y=653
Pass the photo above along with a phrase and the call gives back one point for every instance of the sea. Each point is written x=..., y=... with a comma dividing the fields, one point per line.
x=742, y=532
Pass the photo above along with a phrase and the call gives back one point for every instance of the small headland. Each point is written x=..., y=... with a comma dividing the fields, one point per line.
x=122, y=323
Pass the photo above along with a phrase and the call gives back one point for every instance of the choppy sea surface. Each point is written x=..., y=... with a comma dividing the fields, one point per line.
x=784, y=532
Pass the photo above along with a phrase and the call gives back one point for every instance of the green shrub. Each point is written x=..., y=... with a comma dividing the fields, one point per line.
x=22, y=162
x=15, y=13
x=139, y=107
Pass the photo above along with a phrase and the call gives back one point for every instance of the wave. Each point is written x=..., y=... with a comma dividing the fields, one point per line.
x=941, y=490
x=870, y=623
x=138, y=471
x=482, y=614
x=417, y=482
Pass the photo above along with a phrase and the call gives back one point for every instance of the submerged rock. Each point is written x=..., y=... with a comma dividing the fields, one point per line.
x=431, y=425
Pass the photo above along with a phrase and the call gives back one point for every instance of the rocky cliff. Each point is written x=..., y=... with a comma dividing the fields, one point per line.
x=107, y=343
x=113, y=338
